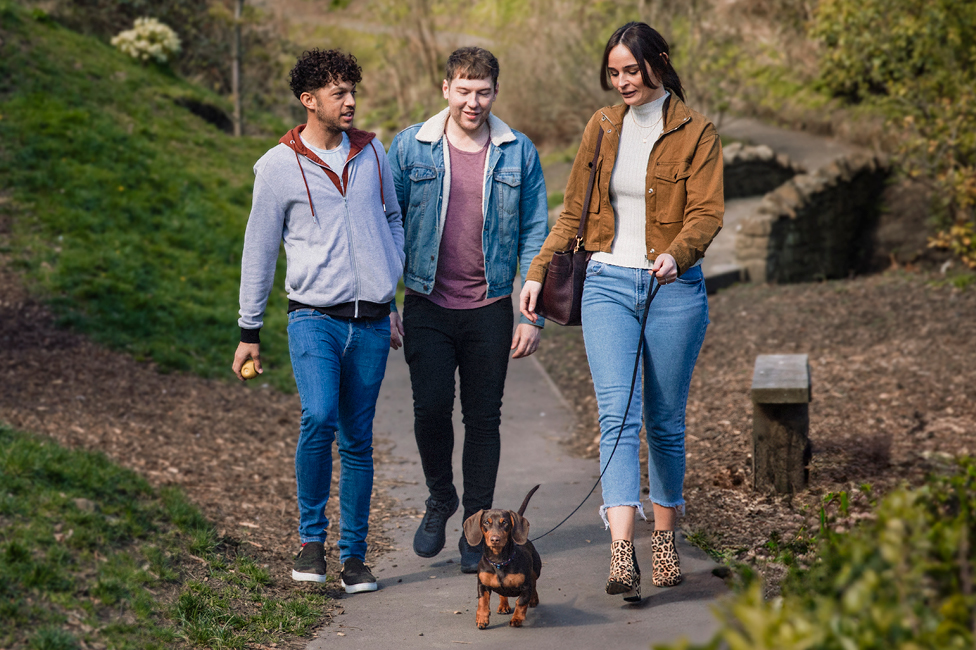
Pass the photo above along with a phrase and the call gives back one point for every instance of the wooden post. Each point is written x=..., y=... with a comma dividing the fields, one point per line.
x=781, y=394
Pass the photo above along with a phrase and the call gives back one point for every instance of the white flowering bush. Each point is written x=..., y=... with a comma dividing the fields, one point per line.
x=149, y=39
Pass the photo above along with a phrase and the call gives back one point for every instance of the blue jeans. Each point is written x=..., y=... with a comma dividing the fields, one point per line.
x=339, y=365
x=613, y=301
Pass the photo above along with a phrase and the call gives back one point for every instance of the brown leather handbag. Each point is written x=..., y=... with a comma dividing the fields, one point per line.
x=562, y=288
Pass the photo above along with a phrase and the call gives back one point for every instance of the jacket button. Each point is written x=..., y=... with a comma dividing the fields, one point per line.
x=650, y=191
x=608, y=130
x=652, y=250
x=431, y=258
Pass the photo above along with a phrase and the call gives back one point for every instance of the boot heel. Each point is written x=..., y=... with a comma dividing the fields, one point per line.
x=666, y=568
x=624, y=571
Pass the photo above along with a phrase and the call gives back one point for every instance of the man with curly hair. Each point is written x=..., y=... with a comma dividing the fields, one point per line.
x=474, y=212
x=326, y=191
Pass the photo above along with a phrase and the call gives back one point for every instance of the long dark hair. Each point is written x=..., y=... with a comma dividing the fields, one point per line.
x=646, y=44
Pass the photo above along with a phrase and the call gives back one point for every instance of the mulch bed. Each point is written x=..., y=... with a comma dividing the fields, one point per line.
x=893, y=362
x=229, y=446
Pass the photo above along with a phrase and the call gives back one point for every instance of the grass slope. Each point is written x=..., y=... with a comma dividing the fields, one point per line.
x=129, y=210
x=92, y=556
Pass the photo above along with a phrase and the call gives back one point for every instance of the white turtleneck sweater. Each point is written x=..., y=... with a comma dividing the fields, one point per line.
x=642, y=127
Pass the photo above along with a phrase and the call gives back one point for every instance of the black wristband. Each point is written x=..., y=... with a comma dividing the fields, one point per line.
x=251, y=336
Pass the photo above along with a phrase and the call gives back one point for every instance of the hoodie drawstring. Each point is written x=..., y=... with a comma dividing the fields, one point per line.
x=307, y=191
x=380, y=172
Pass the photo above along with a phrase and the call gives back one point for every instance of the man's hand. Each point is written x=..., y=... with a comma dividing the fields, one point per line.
x=396, y=330
x=244, y=352
x=665, y=269
x=527, y=302
x=526, y=340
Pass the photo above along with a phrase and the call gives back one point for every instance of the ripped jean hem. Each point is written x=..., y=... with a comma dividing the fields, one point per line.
x=679, y=508
x=603, y=511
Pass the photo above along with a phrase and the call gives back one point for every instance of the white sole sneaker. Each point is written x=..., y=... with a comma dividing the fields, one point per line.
x=307, y=577
x=357, y=588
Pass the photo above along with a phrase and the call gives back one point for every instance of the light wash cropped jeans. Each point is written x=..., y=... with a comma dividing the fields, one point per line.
x=339, y=365
x=613, y=301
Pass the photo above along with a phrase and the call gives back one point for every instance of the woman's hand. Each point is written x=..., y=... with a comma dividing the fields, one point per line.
x=665, y=269
x=528, y=298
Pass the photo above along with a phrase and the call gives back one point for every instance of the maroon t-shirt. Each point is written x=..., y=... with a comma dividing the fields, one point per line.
x=460, y=280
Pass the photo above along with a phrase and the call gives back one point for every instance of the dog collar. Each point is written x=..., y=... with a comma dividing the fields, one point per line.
x=499, y=565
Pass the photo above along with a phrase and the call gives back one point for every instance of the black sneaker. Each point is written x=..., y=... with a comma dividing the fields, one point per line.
x=310, y=563
x=470, y=555
x=429, y=539
x=356, y=577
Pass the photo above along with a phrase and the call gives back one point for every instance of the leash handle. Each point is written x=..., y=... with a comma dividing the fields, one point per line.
x=630, y=399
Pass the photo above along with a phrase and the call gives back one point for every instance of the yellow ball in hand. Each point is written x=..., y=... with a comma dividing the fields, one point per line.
x=247, y=370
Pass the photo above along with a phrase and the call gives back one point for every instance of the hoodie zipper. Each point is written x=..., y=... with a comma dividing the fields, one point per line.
x=349, y=230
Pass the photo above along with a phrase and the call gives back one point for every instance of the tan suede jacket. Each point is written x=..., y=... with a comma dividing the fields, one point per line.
x=684, y=200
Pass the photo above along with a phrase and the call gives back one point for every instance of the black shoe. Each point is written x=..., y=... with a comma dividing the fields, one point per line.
x=429, y=539
x=356, y=577
x=310, y=563
x=470, y=555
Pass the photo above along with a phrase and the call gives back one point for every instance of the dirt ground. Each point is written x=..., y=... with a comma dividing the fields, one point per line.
x=229, y=446
x=893, y=363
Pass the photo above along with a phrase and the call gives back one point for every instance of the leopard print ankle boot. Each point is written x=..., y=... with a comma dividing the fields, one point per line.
x=666, y=569
x=624, y=571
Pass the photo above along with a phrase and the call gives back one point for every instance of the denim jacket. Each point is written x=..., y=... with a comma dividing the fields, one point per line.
x=514, y=204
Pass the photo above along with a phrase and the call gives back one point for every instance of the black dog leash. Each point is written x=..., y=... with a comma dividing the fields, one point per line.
x=630, y=398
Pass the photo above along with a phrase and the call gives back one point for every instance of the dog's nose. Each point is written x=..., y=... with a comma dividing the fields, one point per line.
x=494, y=539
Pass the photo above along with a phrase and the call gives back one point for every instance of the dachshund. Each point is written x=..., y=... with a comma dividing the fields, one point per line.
x=509, y=565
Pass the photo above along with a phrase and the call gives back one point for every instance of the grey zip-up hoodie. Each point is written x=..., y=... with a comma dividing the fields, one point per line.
x=342, y=229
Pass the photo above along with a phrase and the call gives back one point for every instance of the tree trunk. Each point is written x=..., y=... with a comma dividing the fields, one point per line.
x=235, y=70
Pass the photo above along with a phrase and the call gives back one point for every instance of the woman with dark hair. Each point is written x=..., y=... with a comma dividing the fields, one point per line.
x=656, y=205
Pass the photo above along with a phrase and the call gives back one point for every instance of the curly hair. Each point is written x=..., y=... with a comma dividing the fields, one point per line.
x=318, y=68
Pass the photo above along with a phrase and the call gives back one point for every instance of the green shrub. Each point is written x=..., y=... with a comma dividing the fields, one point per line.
x=901, y=579
x=916, y=61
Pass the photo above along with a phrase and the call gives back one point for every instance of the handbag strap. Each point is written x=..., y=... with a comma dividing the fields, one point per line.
x=589, y=193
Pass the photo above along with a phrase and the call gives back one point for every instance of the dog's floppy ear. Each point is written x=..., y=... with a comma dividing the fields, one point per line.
x=472, y=529
x=520, y=528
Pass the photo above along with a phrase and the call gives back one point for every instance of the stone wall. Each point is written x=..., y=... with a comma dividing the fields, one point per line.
x=815, y=226
x=753, y=171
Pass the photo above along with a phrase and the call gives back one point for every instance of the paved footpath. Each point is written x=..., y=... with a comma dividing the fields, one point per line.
x=418, y=601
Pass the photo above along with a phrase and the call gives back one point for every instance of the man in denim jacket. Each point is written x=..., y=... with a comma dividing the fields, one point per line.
x=474, y=211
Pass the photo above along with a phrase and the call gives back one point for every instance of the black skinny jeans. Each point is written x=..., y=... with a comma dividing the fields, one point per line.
x=476, y=343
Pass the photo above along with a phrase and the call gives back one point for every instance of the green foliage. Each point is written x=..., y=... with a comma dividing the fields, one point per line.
x=916, y=61
x=129, y=211
x=903, y=578
x=205, y=29
x=84, y=541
